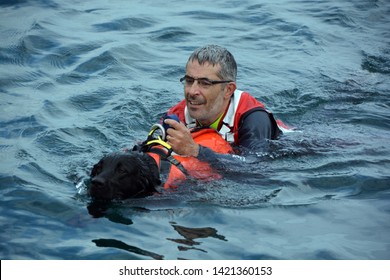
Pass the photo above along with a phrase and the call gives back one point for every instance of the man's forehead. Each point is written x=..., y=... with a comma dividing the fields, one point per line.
x=205, y=68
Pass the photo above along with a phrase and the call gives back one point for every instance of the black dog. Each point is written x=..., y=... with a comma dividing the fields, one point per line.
x=124, y=175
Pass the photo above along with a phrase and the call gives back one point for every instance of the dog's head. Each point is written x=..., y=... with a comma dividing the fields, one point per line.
x=124, y=175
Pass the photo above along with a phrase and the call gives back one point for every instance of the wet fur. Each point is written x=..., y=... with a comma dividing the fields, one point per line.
x=124, y=175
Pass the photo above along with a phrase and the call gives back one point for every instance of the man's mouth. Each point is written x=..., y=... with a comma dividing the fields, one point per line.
x=196, y=103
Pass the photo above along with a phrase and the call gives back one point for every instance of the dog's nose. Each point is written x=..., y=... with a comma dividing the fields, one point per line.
x=98, y=188
x=98, y=181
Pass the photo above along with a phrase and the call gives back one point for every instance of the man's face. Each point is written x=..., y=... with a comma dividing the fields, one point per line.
x=206, y=103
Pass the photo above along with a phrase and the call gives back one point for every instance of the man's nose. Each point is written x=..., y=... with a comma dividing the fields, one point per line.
x=194, y=89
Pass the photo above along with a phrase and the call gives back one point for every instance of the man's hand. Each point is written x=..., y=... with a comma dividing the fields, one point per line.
x=180, y=139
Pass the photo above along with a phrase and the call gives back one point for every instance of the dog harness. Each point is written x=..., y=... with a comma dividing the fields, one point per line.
x=176, y=168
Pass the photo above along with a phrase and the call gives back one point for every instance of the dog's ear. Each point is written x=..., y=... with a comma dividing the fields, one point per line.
x=148, y=178
x=154, y=178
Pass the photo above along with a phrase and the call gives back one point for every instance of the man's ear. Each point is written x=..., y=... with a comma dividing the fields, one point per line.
x=229, y=89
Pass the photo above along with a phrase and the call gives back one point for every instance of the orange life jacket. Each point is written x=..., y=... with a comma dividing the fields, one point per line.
x=240, y=103
x=193, y=167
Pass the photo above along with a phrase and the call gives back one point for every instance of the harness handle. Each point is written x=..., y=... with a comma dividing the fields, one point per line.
x=153, y=140
x=160, y=140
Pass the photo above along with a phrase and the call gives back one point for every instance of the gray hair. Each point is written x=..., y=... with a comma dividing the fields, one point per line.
x=216, y=55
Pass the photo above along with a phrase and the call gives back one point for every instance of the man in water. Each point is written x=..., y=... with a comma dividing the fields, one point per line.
x=211, y=99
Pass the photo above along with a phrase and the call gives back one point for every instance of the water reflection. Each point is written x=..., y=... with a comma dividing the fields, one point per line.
x=100, y=209
x=113, y=243
x=190, y=234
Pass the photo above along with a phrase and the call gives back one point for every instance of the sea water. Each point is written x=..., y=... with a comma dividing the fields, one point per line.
x=79, y=79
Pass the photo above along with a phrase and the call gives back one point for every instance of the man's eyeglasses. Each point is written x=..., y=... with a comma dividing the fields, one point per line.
x=202, y=82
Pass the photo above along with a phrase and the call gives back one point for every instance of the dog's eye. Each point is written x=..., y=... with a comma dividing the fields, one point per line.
x=121, y=169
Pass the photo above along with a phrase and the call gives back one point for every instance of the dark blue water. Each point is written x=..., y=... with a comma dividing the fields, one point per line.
x=79, y=79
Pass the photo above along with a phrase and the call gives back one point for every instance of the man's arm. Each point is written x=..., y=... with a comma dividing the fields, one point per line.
x=255, y=130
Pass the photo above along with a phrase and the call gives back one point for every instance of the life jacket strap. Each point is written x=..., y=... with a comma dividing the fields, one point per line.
x=167, y=156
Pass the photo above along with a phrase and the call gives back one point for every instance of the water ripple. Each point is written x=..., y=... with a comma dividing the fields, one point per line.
x=171, y=34
x=125, y=24
x=21, y=127
x=377, y=64
x=78, y=80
